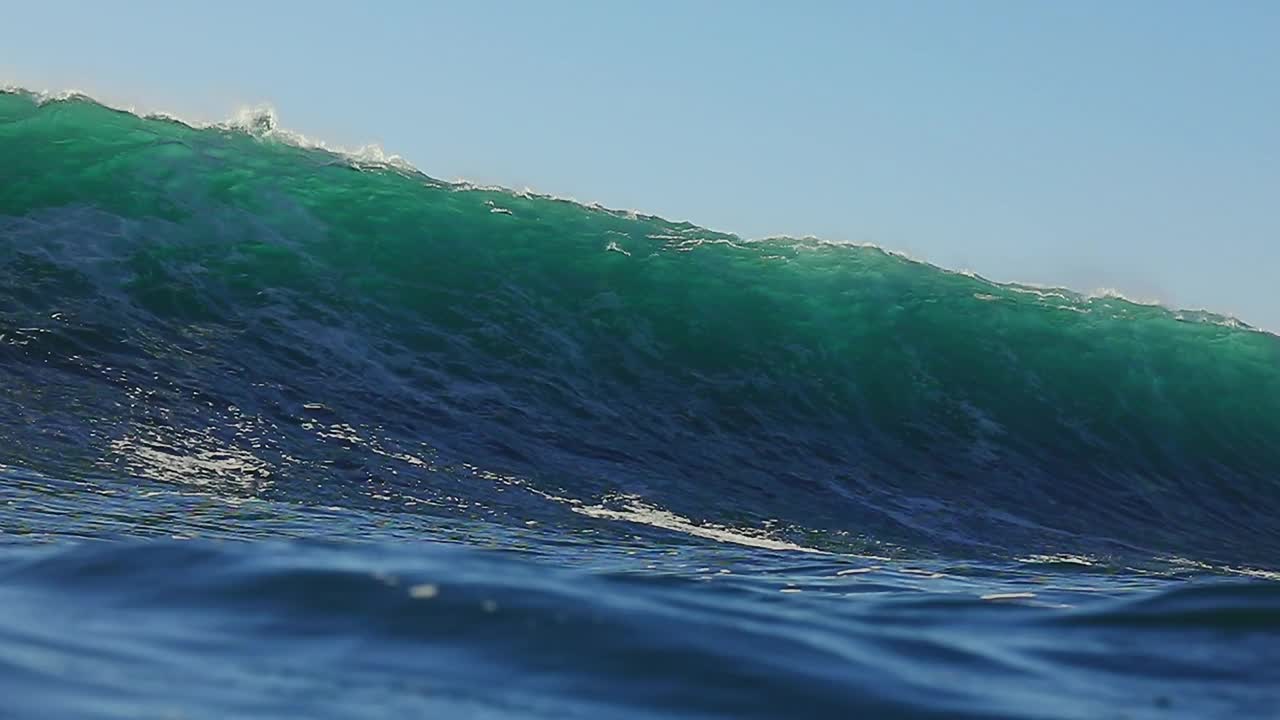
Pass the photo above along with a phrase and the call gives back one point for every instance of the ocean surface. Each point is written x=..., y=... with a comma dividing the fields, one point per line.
x=286, y=432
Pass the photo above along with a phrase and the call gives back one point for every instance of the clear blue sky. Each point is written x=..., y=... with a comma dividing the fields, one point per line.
x=1131, y=145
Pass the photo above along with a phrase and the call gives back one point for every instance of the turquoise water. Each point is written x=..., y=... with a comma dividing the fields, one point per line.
x=288, y=433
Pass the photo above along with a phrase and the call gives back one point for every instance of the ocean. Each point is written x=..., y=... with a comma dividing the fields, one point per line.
x=288, y=432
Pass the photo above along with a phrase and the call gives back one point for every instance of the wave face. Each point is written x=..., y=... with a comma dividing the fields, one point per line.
x=220, y=311
x=172, y=293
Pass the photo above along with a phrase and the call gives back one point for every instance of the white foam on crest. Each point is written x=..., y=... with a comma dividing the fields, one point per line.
x=1227, y=569
x=194, y=458
x=635, y=510
x=680, y=243
x=809, y=240
x=257, y=120
x=1055, y=559
x=1114, y=294
x=263, y=121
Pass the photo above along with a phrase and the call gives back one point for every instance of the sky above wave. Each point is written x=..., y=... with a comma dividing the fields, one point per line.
x=1132, y=146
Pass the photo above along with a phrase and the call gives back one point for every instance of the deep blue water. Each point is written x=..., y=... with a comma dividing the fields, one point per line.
x=127, y=601
x=285, y=434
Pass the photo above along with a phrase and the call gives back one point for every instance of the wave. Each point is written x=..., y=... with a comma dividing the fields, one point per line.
x=234, y=307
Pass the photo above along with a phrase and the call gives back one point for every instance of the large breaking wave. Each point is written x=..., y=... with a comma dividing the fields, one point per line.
x=220, y=306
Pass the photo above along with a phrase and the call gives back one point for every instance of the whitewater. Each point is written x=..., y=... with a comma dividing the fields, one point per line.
x=292, y=432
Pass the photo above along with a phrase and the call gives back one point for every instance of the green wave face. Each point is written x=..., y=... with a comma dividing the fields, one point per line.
x=155, y=274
